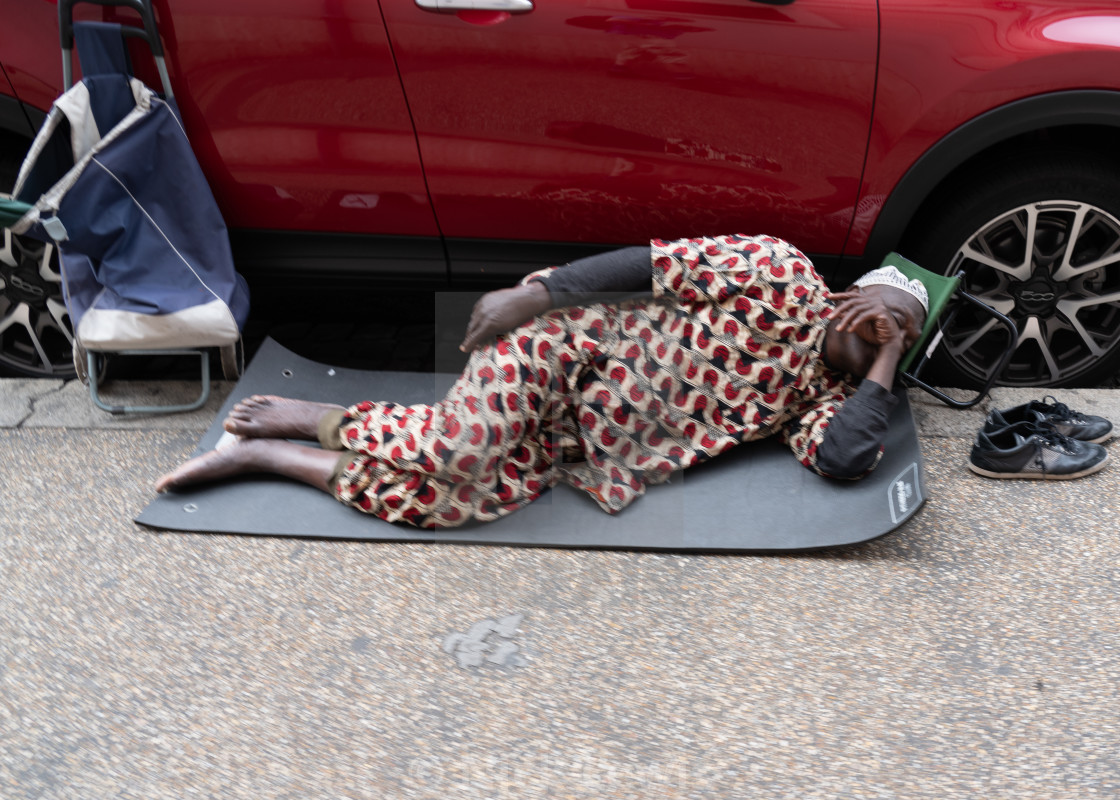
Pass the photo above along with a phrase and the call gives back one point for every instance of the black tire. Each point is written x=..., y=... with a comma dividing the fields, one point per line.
x=1068, y=314
x=36, y=338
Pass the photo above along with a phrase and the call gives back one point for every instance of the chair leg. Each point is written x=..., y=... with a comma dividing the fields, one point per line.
x=1006, y=322
x=204, y=395
x=233, y=360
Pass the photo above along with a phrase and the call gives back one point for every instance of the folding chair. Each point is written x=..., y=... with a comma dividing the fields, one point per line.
x=946, y=298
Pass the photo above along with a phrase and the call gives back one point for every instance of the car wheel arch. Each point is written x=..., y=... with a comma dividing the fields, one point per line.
x=940, y=164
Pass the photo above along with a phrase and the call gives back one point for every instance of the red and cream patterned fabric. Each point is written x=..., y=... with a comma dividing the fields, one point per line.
x=612, y=397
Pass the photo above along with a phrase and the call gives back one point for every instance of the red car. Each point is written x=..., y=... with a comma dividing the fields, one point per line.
x=449, y=141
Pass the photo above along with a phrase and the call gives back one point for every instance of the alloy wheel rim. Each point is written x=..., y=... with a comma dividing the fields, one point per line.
x=35, y=330
x=1052, y=267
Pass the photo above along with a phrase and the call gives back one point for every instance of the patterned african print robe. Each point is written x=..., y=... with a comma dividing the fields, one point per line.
x=611, y=397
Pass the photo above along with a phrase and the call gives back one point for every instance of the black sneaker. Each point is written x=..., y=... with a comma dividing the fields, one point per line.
x=1030, y=450
x=1059, y=416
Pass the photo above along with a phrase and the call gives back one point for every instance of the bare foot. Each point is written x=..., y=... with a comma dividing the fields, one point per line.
x=237, y=458
x=247, y=456
x=271, y=417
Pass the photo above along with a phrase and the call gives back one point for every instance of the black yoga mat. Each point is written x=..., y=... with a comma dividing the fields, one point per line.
x=755, y=497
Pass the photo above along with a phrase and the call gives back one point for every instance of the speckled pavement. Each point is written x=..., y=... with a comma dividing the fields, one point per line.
x=973, y=653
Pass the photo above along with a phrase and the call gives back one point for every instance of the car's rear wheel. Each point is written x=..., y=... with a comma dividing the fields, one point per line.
x=1038, y=238
x=35, y=331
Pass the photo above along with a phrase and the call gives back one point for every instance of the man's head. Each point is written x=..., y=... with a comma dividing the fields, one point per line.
x=906, y=301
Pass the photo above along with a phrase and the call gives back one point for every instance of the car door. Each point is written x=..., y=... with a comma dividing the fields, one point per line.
x=297, y=115
x=619, y=120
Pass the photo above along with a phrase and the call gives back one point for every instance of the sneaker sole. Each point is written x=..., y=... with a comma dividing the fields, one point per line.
x=1041, y=476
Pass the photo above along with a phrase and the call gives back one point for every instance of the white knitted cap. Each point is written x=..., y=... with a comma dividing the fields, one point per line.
x=890, y=276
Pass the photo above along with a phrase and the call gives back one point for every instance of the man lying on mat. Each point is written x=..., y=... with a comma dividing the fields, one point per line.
x=739, y=340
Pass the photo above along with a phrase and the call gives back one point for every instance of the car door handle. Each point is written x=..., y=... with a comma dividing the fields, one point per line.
x=451, y=6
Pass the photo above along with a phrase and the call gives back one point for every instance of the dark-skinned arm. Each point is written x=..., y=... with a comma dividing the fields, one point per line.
x=583, y=281
x=855, y=436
